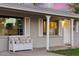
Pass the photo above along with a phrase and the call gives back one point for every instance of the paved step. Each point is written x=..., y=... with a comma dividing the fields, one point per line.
x=59, y=48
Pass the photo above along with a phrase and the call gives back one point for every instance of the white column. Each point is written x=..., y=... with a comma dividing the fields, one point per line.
x=48, y=20
x=40, y=23
x=72, y=33
x=25, y=26
x=77, y=26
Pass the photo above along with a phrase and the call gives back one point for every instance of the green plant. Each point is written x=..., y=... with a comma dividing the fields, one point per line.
x=74, y=7
x=76, y=10
x=9, y=26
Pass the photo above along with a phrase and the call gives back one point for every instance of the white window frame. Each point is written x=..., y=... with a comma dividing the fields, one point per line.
x=27, y=30
x=40, y=27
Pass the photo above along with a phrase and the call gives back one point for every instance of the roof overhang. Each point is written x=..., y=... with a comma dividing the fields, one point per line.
x=33, y=9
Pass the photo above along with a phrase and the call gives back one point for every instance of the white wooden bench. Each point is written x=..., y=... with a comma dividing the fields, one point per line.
x=17, y=43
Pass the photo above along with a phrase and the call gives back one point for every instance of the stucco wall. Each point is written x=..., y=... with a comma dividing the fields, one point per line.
x=39, y=42
x=3, y=43
x=76, y=37
x=56, y=41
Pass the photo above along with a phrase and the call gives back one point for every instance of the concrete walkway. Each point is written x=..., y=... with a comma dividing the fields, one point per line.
x=35, y=52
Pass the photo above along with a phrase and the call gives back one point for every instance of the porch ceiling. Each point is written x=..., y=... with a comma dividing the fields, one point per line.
x=35, y=10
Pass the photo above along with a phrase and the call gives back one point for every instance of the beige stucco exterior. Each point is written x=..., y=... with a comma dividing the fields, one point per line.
x=35, y=14
x=38, y=42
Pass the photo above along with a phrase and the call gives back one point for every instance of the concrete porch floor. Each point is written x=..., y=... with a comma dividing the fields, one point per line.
x=35, y=52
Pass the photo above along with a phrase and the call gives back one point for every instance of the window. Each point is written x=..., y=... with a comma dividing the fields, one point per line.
x=53, y=27
x=53, y=30
x=11, y=26
x=44, y=26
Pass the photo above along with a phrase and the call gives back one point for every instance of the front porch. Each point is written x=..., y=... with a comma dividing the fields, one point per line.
x=33, y=27
x=35, y=52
